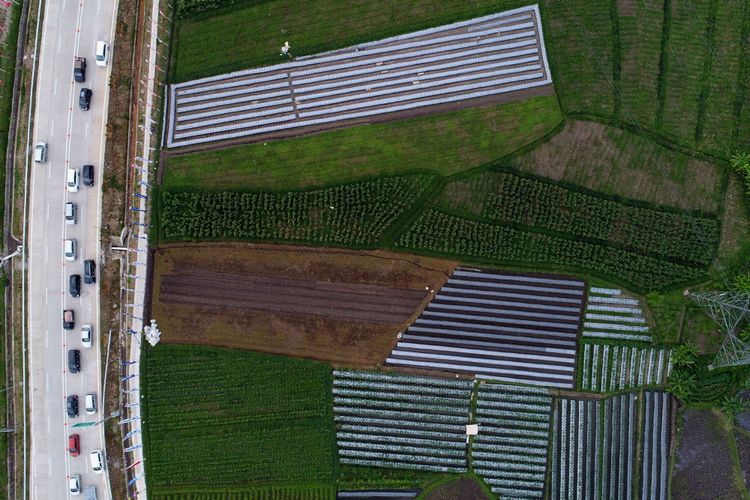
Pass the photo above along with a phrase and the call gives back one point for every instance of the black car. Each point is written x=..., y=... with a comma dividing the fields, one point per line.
x=69, y=319
x=74, y=361
x=72, y=406
x=84, y=99
x=75, y=285
x=87, y=173
x=89, y=272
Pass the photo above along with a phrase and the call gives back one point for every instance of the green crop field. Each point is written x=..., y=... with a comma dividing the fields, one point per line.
x=445, y=144
x=352, y=214
x=228, y=419
x=209, y=43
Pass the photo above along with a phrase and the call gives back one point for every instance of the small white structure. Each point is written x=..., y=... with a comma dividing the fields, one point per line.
x=152, y=333
x=285, y=50
x=471, y=430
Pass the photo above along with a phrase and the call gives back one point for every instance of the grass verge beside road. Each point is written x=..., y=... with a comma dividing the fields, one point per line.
x=445, y=144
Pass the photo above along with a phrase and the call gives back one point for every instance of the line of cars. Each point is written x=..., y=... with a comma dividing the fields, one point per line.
x=74, y=178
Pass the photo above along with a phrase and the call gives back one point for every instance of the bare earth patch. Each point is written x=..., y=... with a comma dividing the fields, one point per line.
x=617, y=162
x=465, y=489
x=703, y=466
x=342, y=306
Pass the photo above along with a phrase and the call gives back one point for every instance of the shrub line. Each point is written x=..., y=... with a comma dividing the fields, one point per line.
x=708, y=61
x=661, y=88
x=616, y=59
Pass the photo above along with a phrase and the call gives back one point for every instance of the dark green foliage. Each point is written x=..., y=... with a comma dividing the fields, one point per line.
x=699, y=386
x=296, y=492
x=671, y=234
x=190, y=8
x=229, y=418
x=351, y=214
x=445, y=234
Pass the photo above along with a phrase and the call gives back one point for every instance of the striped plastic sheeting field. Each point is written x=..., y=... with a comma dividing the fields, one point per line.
x=593, y=447
x=479, y=58
x=657, y=430
x=607, y=368
x=610, y=314
x=401, y=421
x=510, y=451
x=496, y=325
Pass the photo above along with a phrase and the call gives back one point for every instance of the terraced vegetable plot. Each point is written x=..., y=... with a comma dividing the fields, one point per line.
x=224, y=418
x=593, y=448
x=610, y=314
x=480, y=60
x=607, y=368
x=401, y=421
x=655, y=445
x=352, y=214
x=510, y=451
x=498, y=325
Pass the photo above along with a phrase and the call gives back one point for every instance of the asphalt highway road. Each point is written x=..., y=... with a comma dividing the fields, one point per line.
x=75, y=137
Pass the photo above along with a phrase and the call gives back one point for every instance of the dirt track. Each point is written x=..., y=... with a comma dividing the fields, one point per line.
x=350, y=301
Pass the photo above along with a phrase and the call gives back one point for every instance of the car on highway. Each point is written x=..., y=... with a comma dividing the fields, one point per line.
x=71, y=213
x=84, y=99
x=74, y=361
x=102, y=53
x=97, y=463
x=89, y=271
x=69, y=319
x=88, y=175
x=74, y=484
x=74, y=445
x=90, y=404
x=40, y=152
x=72, y=180
x=87, y=333
x=70, y=249
x=71, y=406
x=79, y=69
x=74, y=285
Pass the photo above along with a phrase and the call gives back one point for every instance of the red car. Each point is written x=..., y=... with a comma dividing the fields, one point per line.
x=74, y=445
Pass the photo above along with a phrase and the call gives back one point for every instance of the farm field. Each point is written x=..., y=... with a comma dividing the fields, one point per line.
x=207, y=404
x=293, y=327
x=483, y=60
x=443, y=144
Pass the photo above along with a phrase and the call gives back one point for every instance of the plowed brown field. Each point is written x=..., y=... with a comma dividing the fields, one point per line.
x=342, y=306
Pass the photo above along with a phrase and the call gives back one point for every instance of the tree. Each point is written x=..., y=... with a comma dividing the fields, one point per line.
x=682, y=384
x=684, y=355
x=732, y=405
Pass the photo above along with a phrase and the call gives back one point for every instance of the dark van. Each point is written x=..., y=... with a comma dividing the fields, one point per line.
x=74, y=361
x=75, y=285
x=87, y=172
x=89, y=272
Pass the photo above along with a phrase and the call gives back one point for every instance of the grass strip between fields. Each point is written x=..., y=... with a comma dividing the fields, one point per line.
x=445, y=144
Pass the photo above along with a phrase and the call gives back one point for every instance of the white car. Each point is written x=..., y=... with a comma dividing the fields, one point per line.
x=40, y=152
x=87, y=332
x=72, y=180
x=74, y=484
x=97, y=462
x=90, y=404
x=71, y=213
x=70, y=249
x=102, y=53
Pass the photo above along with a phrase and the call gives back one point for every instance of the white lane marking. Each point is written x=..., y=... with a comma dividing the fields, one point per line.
x=54, y=85
x=63, y=5
x=49, y=172
x=46, y=339
x=98, y=4
x=49, y=425
x=59, y=43
x=51, y=127
x=46, y=215
x=47, y=380
x=46, y=295
x=49, y=464
x=86, y=130
x=46, y=254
